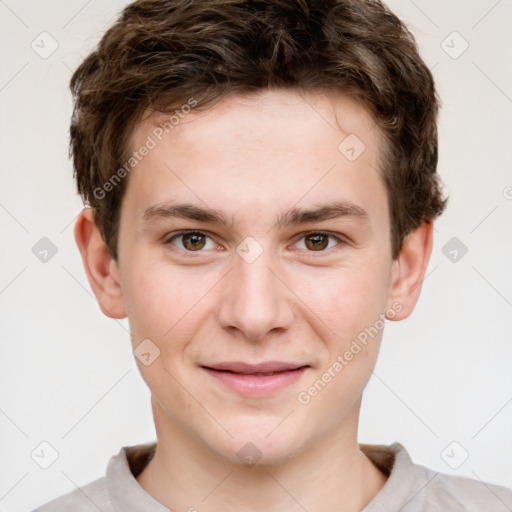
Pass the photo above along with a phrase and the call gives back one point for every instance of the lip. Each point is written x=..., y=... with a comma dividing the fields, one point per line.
x=265, y=367
x=248, y=379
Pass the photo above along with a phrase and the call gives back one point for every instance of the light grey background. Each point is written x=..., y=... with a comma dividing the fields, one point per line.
x=68, y=373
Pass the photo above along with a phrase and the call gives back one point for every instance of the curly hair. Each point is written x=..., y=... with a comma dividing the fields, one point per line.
x=161, y=53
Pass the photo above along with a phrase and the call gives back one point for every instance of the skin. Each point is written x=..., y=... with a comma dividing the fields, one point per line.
x=253, y=158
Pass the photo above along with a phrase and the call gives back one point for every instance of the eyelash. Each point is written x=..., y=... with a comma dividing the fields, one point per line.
x=169, y=239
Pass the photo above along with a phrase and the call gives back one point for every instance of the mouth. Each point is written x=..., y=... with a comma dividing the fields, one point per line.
x=256, y=380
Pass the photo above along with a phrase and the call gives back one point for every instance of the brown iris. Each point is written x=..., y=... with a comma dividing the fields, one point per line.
x=317, y=241
x=193, y=241
x=196, y=241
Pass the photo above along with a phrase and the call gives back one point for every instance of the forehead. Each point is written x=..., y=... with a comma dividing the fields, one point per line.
x=280, y=113
x=282, y=144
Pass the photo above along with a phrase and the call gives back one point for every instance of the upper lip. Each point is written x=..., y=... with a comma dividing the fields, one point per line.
x=265, y=367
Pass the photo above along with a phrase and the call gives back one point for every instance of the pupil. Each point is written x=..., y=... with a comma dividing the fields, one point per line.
x=319, y=241
x=192, y=239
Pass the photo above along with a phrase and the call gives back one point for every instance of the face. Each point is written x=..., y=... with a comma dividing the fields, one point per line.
x=287, y=265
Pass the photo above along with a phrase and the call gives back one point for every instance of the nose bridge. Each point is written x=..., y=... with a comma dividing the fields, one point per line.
x=254, y=301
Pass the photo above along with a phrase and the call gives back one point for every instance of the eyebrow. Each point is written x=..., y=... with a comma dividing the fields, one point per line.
x=294, y=216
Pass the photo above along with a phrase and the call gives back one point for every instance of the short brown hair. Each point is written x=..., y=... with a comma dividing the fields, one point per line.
x=161, y=53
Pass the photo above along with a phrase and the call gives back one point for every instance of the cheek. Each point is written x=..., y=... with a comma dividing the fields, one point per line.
x=161, y=298
x=164, y=306
x=348, y=299
x=347, y=308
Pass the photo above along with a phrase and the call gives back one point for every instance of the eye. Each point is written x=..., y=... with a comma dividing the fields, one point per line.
x=196, y=241
x=318, y=241
x=191, y=241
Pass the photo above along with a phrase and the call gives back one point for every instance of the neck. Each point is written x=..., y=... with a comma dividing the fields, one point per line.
x=333, y=475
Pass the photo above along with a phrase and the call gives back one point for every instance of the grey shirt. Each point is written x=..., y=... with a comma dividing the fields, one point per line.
x=409, y=488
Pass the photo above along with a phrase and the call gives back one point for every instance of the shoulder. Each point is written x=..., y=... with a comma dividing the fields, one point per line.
x=415, y=488
x=88, y=498
x=433, y=490
x=116, y=490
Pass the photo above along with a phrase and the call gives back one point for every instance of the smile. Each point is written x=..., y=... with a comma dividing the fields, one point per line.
x=251, y=381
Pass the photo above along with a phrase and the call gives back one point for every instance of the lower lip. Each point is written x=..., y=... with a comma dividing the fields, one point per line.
x=257, y=385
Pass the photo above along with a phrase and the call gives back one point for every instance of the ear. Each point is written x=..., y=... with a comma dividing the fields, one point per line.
x=100, y=267
x=409, y=270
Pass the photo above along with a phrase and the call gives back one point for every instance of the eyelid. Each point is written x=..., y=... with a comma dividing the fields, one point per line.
x=340, y=239
x=171, y=236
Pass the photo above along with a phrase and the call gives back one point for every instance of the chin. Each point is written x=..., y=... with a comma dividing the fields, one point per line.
x=260, y=443
x=250, y=454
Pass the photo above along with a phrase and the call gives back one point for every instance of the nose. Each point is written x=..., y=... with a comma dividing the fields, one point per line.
x=255, y=300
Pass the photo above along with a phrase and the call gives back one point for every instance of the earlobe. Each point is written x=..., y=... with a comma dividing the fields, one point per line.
x=100, y=267
x=409, y=270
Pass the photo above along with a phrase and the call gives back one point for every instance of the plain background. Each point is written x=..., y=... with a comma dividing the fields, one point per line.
x=442, y=386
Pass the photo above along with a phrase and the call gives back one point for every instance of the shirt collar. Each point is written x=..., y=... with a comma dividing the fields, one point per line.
x=396, y=462
x=125, y=492
x=128, y=496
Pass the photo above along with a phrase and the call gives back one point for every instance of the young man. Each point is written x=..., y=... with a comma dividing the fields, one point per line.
x=262, y=184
